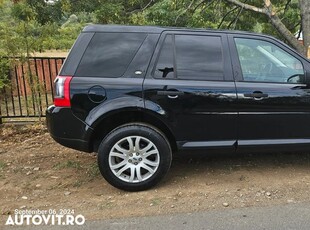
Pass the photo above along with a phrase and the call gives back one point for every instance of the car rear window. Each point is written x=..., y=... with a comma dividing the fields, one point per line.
x=109, y=54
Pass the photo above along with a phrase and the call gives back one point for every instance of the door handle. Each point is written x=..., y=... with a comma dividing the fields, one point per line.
x=173, y=94
x=256, y=95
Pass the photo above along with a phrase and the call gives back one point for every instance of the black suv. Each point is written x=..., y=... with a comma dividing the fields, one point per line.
x=136, y=94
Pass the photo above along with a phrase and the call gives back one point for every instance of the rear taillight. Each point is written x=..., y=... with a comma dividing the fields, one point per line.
x=62, y=91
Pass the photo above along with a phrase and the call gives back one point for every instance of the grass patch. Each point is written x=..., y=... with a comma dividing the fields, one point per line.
x=93, y=171
x=156, y=201
x=107, y=205
x=2, y=165
x=68, y=164
x=78, y=183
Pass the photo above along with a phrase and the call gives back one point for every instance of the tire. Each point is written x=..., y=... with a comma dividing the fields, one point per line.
x=134, y=157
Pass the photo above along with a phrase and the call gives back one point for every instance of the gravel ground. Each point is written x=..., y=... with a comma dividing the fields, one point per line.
x=37, y=173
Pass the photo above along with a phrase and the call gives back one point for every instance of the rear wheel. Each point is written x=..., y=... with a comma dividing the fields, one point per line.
x=134, y=157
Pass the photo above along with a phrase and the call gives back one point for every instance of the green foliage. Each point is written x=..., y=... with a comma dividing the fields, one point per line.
x=56, y=26
x=7, y=40
x=109, y=13
x=46, y=13
x=83, y=6
x=163, y=13
x=23, y=12
x=4, y=71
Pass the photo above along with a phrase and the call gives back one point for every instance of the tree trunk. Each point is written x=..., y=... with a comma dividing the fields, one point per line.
x=281, y=28
x=304, y=6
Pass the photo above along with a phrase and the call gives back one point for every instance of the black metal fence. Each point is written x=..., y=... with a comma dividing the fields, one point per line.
x=30, y=89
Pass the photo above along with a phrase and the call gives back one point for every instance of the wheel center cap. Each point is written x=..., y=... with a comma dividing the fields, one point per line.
x=134, y=159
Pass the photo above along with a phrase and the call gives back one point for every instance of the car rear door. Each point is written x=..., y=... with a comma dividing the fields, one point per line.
x=192, y=88
x=273, y=96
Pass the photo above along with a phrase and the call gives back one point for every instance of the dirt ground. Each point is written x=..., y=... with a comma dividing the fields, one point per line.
x=37, y=173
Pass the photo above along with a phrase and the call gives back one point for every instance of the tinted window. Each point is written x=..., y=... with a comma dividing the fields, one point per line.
x=164, y=67
x=199, y=57
x=109, y=54
x=265, y=62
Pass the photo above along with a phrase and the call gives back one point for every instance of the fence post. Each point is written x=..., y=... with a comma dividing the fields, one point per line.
x=308, y=52
x=0, y=114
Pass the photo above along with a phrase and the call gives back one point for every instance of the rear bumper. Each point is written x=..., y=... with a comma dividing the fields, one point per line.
x=66, y=129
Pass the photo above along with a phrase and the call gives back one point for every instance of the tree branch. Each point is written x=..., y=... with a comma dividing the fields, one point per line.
x=142, y=8
x=285, y=9
x=224, y=17
x=287, y=5
x=184, y=12
x=237, y=18
x=247, y=6
x=147, y=5
x=195, y=8
x=275, y=21
x=199, y=4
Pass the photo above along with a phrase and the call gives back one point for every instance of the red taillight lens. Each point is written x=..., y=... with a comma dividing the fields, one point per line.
x=62, y=91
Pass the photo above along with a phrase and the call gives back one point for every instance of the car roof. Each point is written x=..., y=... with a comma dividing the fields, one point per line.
x=154, y=29
x=95, y=28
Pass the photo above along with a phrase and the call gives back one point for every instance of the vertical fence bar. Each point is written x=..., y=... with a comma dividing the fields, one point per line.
x=25, y=90
x=56, y=67
x=44, y=82
x=51, y=81
x=0, y=108
x=0, y=114
x=31, y=84
x=18, y=92
x=12, y=94
x=38, y=85
x=0, y=111
x=6, y=101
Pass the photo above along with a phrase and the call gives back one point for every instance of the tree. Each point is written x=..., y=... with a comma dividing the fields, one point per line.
x=305, y=21
x=7, y=41
x=121, y=11
x=30, y=36
x=44, y=12
x=282, y=19
x=269, y=11
x=4, y=71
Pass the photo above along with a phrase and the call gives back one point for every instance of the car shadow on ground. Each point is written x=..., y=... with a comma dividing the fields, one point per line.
x=202, y=163
x=242, y=159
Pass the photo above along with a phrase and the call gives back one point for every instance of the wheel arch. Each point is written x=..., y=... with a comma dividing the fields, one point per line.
x=112, y=120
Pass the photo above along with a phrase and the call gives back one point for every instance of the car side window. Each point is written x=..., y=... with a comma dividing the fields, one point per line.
x=165, y=67
x=199, y=57
x=193, y=57
x=262, y=61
